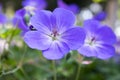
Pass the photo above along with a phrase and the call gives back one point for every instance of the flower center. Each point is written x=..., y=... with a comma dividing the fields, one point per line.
x=54, y=35
x=91, y=41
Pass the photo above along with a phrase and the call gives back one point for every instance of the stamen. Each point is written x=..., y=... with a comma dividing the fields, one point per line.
x=92, y=41
x=54, y=35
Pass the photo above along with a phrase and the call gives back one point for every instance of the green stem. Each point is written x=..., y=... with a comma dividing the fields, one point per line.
x=18, y=67
x=78, y=72
x=54, y=69
x=10, y=72
x=79, y=68
x=25, y=74
x=11, y=36
x=7, y=41
x=23, y=56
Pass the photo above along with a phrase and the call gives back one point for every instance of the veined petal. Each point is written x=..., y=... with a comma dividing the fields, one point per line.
x=105, y=51
x=57, y=50
x=101, y=51
x=87, y=50
x=42, y=21
x=91, y=25
x=37, y=40
x=74, y=37
x=107, y=35
x=65, y=19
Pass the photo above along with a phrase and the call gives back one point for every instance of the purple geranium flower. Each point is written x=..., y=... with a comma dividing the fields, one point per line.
x=99, y=40
x=72, y=7
x=100, y=16
x=19, y=20
x=56, y=34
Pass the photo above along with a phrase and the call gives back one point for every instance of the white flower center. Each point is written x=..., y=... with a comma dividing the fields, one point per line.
x=55, y=35
x=90, y=41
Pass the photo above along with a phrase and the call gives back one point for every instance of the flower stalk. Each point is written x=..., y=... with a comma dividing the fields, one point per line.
x=78, y=72
x=79, y=67
x=54, y=69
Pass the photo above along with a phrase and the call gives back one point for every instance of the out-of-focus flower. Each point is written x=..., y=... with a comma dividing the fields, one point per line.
x=72, y=7
x=20, y=20
x=95, y=8
x=22, y=16
x=3, y=18
x=85, y=14
x=100, y=16
x=99, y=40
x=33, y=5
x=56, y=34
